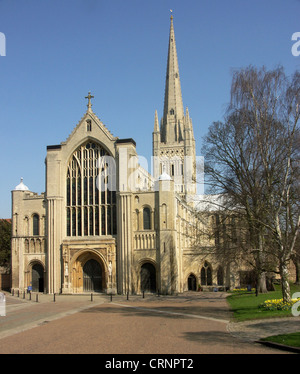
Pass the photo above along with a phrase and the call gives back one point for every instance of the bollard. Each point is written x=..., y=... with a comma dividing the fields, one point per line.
x=127, y=295
x=111, y=297
x=143, y=294
x=91, y=297
x=54, y=297
x=37, y=297
x=18, y=293
x=24, y=295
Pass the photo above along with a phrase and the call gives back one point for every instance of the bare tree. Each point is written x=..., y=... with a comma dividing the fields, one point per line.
x=253, y=157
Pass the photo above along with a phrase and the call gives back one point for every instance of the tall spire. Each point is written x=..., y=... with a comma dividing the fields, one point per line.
x=173, y=142
x=173, y=106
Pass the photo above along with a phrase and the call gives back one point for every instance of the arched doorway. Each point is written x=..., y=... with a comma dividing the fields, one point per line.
x=148, y=278
x=92, y=276
x=37, y=278
x=192, y=283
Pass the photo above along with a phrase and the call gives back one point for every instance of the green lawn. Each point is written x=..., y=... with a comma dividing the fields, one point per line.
x=245, y=305
x=293, y=340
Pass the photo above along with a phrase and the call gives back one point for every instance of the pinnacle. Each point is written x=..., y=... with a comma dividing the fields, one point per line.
x=156, y=124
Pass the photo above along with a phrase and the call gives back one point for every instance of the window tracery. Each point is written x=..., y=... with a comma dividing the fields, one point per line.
x=90, y=205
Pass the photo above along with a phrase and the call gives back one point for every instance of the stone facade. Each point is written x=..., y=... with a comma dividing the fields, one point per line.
x=104, y=224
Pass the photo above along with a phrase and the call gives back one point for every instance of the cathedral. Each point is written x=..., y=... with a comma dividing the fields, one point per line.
x=105, y=224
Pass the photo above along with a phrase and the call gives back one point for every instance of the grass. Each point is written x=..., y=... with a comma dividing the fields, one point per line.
x=292, y=340
x=245, y=305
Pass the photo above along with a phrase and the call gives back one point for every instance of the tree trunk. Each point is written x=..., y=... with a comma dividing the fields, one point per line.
x=262, y=283
x=284, y=274
x=297, y=267
x=261, y=280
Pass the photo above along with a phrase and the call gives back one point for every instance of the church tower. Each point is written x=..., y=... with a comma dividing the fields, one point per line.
x=173, y=141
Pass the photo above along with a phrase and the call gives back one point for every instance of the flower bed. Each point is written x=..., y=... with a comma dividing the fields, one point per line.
x=277, y=304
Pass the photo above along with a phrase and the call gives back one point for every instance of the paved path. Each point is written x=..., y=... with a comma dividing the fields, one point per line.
x=192, y=323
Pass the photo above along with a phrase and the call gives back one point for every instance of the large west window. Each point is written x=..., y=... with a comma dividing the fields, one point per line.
x=90, y=201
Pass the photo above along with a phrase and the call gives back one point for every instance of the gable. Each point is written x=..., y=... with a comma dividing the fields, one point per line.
x=89, y=128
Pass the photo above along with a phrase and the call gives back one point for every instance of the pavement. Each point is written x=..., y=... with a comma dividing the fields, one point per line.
x=192, y=323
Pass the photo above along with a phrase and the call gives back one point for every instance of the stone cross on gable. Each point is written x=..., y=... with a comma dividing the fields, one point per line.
x=89, y=97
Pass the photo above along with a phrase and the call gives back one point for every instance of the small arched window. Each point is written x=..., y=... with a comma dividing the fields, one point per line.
x=89, y=125
x=36, y=224
x=147, y=219
x=164, y=216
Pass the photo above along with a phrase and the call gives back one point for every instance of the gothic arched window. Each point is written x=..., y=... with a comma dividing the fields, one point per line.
x=90, y=192
x=206, y=275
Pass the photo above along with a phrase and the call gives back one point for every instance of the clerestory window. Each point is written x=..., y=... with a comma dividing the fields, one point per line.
x=36, y=224
x=147, y=218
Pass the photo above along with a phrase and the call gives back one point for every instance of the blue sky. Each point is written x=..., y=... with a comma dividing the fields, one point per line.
x=58, y=50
